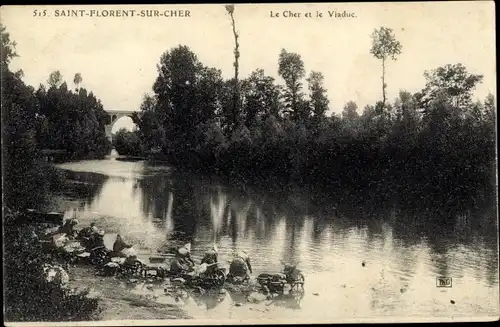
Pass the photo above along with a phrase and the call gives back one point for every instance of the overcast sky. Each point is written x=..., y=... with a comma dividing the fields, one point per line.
x=117, y=57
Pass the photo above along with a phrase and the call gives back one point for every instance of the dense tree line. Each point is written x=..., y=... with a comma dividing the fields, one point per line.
x=35, y=120
x=71, y=120
x=435, y=144
x=31, y=121
x=26, y=179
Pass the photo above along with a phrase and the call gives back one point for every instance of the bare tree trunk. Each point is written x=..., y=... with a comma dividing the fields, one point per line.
x=236, y=66
x=293, y=108
x=383, y=81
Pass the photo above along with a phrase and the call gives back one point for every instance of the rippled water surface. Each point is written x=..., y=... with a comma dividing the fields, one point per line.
x=156, y=207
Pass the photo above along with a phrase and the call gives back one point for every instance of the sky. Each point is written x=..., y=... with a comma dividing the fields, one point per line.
x=117, y=56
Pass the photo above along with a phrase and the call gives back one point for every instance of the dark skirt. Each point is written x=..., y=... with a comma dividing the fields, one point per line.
x=238, y=268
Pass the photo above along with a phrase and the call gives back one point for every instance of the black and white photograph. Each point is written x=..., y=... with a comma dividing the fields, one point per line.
x=255, y=163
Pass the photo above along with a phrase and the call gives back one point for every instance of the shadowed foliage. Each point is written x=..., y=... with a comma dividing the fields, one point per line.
x=30, y=122
x=435, y=147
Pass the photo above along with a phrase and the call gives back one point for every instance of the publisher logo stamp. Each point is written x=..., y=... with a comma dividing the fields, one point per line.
x=443, y=282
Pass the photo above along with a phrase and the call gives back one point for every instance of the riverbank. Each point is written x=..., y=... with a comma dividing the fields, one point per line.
x=117, y=302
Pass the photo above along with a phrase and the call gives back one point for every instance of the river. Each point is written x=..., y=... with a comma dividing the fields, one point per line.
x=359, y=262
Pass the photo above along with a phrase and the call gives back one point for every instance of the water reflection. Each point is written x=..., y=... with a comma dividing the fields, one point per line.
x=217, y=209
x=290, y=301
x=403, y=249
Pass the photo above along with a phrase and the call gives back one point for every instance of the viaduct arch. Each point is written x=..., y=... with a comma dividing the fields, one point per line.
x=113, y=116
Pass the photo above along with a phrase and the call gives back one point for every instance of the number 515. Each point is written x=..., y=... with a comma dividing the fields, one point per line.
x=39, y=13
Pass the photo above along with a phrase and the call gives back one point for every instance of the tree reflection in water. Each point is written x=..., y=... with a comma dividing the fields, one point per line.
x=83, y=186
x=297, y=225
x=230, y=211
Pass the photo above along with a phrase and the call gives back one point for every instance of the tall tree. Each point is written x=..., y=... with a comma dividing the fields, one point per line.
x=453, y=82
x=55, y=79
x=226, y=99
x=350, y=111
x=8, y=47
x=77, y=80
x=261, y=97
x=319, y=100
x=406, y=120
x=405, y=107
x=490, y=114
x=175, y=92
x=236, y=94
x=384, y=46
x=187, y=94
x=291, y=69
x=23, y=180
x=350, y=123
x=208, y=90
x=490, y=108
x=303, y=111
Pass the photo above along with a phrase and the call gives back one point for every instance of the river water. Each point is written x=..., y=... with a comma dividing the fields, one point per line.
x=359, y=262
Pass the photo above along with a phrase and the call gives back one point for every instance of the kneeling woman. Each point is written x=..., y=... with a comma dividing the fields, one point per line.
x=240, y=267
x=182, y=262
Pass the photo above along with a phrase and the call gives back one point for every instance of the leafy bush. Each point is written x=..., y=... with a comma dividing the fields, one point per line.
x=127, y=143
x=28, y=296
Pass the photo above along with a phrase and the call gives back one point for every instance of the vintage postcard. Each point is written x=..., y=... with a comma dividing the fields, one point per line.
x=249, y=163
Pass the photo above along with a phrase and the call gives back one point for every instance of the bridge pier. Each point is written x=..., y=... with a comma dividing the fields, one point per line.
x=109, y=135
